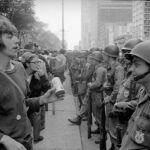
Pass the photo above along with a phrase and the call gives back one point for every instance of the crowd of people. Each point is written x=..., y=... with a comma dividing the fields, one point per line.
x=111, y=85
x=26, y=88
x=112, y=88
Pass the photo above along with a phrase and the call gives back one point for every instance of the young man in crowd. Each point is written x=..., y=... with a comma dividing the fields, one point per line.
x=15, y=128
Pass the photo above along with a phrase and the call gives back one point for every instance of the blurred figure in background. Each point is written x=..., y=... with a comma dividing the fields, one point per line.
x=59, y=65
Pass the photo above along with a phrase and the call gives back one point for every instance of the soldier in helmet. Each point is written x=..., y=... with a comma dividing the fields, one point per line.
x=94, y=67
x=115, y=77
x=126, y=100
x=137, y=136
x=128, y=46
x=98, y=80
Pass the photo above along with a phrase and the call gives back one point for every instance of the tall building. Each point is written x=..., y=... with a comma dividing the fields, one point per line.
x=99, y=19
x=89, y=23
x=141, y=19
x=113, y=19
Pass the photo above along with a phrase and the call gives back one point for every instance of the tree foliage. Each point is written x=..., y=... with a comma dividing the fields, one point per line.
x=45, y=38
x=21, y=13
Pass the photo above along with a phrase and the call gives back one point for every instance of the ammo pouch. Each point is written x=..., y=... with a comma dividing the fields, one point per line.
x=140, y=132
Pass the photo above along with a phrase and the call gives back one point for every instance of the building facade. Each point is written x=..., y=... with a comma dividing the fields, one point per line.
x=101, y=20
x=115, y=17
x=88, y=23
x=141, y=19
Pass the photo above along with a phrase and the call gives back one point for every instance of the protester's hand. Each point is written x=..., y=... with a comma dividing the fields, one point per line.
x=39, y=73
x=107, y=99
x=50, y=97
x=11, y=144
x=121, y=105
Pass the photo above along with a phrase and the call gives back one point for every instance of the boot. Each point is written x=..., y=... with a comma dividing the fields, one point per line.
x=40, y=138
x=76, y=120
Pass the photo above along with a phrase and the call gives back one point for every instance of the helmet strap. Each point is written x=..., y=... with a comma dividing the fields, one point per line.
x=139, y=77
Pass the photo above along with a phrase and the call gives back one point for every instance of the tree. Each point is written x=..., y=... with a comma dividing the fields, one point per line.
x=21, y=13
x=46, y=39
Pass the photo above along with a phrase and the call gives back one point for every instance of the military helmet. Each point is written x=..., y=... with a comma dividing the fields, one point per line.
x=96, y=56
x=141, y=50
x=111, y=50
x=130, y=44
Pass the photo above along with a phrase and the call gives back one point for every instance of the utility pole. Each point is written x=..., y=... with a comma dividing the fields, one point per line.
x=63, y=44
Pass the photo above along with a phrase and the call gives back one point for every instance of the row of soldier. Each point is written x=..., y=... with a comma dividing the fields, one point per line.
x=111, y=89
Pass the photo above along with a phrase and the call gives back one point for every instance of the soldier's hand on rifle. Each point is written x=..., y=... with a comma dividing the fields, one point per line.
x=121, y=105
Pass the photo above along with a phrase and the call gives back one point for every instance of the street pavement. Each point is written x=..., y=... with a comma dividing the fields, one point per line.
x=87, y=144
x=59, y=134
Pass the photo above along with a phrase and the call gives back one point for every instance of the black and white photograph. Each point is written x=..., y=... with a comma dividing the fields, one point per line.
x=74, y=74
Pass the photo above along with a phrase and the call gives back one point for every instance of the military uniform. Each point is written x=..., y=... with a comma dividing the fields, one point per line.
x=115, y=77
x=128, y=92
x=75, y=72
x=137, y=136
x=87, y=78
x=99, y=78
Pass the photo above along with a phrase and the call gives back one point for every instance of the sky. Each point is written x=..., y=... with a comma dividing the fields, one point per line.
x=50, y=12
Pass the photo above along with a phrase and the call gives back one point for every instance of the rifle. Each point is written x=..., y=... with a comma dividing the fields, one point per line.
x=89, y=121
x=103, y=132
x=119, y=134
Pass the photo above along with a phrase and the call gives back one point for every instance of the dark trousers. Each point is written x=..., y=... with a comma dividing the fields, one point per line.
x=36, y=123
x=42, y=116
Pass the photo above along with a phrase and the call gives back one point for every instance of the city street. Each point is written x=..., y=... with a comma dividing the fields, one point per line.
x=59, y=134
